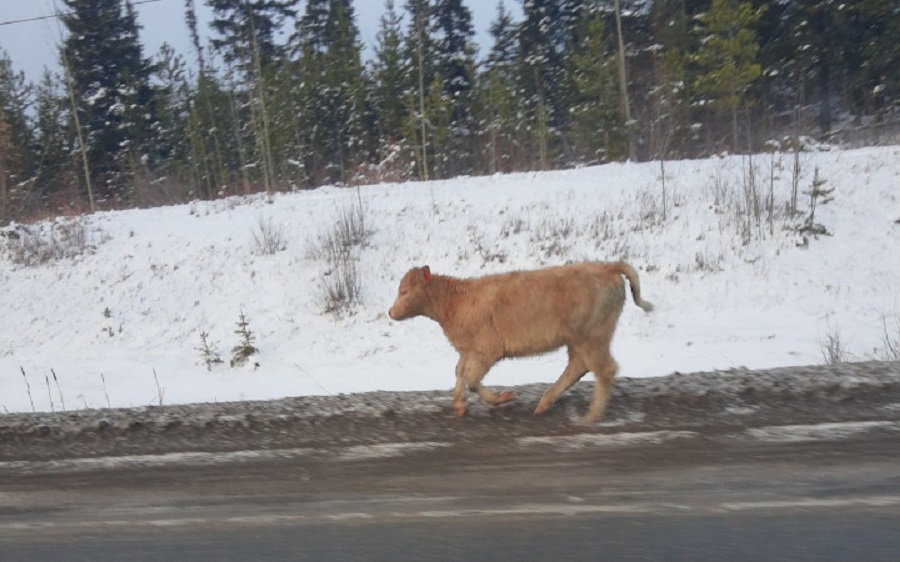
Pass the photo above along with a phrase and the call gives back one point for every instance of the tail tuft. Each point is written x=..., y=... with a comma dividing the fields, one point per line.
x=632, y=276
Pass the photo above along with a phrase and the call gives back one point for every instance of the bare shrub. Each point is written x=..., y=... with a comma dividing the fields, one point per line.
x=340, y=288
x=704, y=261
x=832, y=346
x=745, y=199
x=721, y=185
x=349, y=230
x=268, y=237
x=752, y=204
x=350, y=227
x=46, y=242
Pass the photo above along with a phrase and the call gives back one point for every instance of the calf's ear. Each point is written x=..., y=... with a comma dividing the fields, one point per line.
x=426, y=273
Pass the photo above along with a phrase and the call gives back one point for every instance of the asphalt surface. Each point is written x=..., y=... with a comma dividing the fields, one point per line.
x=790, y=492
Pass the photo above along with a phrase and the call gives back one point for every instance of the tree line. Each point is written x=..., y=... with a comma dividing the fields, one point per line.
x=281, y=97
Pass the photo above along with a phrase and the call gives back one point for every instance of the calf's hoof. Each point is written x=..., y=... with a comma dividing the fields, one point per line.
x=460, y=411
x=505, y=396
x=541, y=409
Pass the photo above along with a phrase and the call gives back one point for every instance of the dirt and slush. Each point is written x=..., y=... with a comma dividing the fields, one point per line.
x=710, y=403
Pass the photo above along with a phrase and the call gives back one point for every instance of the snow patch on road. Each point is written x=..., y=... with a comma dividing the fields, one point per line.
x=587, y=440
x=818, y=432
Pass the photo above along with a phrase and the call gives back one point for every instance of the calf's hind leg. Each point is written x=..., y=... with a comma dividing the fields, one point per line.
x=573, y=373
x=601, y=363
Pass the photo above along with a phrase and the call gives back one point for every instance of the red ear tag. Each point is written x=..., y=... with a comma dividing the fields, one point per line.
x=426, y=273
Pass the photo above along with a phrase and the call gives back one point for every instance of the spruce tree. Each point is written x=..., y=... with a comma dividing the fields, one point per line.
x=247, y=28
x=499, y=86
x=726, y=62
x=333, y=95
x=801, y=57
x=390, y=89
x=542, y=43
x=451, y=34
x=214, y=161
x=669, y=98
x=16, y=139
x=171, y=142
x=869, y=56
x=601, y=133
x=56, y=179
x=205, y=165
x=246, y=38
x=111, y=86
x=420, y=69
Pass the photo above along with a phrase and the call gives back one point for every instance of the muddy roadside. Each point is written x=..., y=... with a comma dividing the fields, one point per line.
x=711, y=403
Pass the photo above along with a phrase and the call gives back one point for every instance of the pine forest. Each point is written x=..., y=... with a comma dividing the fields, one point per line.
x=284, y=96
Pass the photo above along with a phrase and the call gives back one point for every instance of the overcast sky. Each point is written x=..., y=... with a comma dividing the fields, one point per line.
x=32, y=45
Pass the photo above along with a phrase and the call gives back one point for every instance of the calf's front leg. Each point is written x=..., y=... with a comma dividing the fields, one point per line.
x=469, y=372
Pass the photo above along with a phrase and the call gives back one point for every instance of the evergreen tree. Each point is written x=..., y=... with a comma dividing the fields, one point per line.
x=246, y=30
x=421, y=72
x=205, y=163
x=56, y=179
x=601, y=131
x=16, y=143
x=499, y=85
x=726, y=61
x=390, y=88
x=451, y=34
x=869, y=54
x=801, y=55
x=215, y=161
x=504, y=53
x=545, y=34
x=111, y=85
x=333, y=96
x=669, y=97
x=171, y=142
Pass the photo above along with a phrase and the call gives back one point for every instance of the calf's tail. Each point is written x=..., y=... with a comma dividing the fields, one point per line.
x=629, y=272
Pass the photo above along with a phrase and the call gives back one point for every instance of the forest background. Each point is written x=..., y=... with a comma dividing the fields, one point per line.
x=281, y=97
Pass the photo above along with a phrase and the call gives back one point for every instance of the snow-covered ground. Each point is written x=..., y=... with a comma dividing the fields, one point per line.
x=121, y=324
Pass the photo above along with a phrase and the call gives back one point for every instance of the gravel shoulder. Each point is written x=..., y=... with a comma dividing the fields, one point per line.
x=712, y=403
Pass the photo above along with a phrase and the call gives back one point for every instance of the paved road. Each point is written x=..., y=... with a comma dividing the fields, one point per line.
x=800, y=492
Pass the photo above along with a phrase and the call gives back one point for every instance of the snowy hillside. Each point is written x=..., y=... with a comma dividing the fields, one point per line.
x=727, y=292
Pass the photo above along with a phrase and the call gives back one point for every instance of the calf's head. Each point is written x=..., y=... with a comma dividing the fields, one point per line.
x=411, y=297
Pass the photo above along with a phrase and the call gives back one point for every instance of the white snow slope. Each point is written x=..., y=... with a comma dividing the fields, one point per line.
x=726, y=295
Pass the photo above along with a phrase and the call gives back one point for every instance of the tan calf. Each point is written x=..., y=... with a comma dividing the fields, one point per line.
x=526, y=313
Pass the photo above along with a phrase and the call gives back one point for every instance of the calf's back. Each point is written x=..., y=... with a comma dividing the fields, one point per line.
x=530, y=312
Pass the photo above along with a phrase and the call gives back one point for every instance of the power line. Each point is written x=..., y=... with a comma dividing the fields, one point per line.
x=38, y=18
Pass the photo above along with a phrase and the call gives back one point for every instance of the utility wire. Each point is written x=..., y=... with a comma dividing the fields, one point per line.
x=38, y=18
